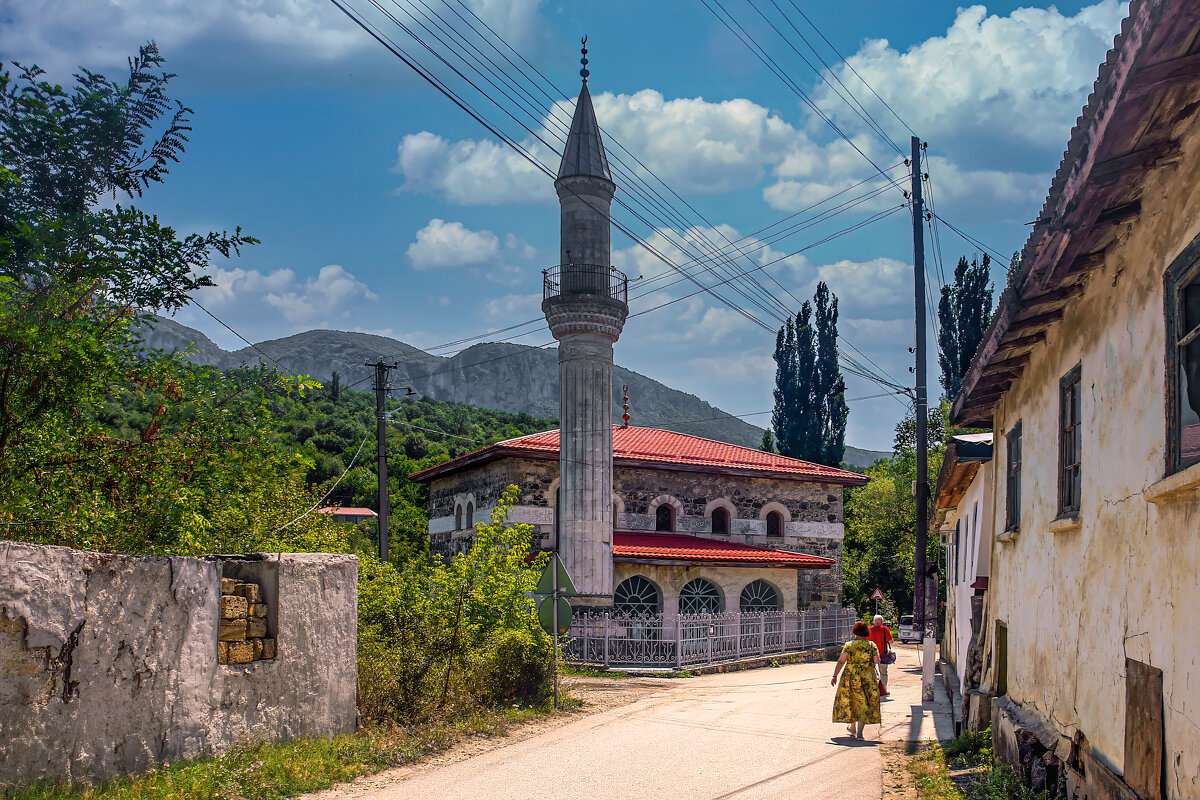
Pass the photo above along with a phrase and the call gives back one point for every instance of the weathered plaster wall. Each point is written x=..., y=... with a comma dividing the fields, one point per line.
x=1124, y=582
x=108, y=663
x=730, y=580
x=972, y=556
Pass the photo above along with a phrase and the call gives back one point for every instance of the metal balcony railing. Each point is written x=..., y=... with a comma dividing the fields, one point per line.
x=566, y=280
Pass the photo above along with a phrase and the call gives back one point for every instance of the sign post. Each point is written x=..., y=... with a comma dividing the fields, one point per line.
x=554, y=612
x=877, y=596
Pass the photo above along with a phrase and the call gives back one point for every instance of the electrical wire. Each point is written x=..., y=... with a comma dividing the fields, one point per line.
x=331, y=488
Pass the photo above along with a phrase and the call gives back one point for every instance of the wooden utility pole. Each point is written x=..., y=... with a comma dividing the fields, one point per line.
x=381, y=390
x=924, y=607
x=921, y=404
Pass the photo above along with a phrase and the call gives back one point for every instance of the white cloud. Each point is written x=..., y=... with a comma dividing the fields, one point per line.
x=874, y=289
x=442, y=245
x=469, y=172
x=262, y=305
x=58, y=34
x=991, y=86
x=510, y=309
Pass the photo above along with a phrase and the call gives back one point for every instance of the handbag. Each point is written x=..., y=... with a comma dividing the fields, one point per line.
x=888, y=657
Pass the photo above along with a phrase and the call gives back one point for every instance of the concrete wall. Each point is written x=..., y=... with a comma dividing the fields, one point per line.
x=1122, y=582
x=108, y=663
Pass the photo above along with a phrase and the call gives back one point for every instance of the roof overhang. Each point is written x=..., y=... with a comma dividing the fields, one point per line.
x=1142, y=104
x=959, y=467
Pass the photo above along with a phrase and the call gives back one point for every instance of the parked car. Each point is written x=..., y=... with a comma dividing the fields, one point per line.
x=906, y=632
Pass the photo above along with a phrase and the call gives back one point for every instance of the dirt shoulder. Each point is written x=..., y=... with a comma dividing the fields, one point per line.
x=588, y=695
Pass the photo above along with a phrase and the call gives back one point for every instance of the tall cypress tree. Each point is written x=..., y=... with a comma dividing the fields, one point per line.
x=810, y=413
x=831, y=389
x=964, y=310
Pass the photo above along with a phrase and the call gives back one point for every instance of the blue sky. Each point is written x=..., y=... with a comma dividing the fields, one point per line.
x=382, y=207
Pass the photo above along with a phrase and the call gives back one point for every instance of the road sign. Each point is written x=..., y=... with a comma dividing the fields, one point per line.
x=877, y=596
x=545, y=584
x=546, y=615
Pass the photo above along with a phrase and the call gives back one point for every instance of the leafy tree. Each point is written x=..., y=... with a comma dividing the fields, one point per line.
x=768, y=442
x=75, y=273
x=964, y=310
x=809, y=419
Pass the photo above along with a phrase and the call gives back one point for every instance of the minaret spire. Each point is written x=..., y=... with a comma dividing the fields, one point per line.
x=585, y=303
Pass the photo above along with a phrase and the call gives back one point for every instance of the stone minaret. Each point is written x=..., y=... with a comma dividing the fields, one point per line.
x=585, y=303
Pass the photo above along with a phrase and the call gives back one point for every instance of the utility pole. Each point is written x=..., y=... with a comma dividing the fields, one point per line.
x=381, y=390
x=921, y=412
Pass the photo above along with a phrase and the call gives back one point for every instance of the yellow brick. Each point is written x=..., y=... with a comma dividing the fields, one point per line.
x=228, y=585
x=256, y=629
x=241, y=652
x=232, y=606
x=222, y=653
x=250, y=591
x=232, y=630
x=268, y=648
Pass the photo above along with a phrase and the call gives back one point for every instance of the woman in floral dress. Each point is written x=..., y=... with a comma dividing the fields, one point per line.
x=857, y=700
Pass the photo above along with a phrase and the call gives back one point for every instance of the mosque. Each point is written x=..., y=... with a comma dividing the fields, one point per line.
x=645, y=520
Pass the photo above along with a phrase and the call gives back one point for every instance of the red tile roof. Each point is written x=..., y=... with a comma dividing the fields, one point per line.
x=666, y=449
x=349, y=511
x=682, y=547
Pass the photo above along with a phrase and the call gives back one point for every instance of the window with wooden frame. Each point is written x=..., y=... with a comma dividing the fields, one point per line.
x=1183, y=360
x=1012, y=518
x=1070, y=443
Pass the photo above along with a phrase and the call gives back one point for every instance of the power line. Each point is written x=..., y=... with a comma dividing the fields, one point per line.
x=317, y=505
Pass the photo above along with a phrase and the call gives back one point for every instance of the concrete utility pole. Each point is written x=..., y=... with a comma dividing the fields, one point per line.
x=381, y=389
x=921, y=610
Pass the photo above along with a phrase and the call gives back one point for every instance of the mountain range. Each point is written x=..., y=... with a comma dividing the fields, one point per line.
x=497, y=375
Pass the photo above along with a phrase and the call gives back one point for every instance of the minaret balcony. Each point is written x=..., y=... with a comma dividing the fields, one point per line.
x=585, y=280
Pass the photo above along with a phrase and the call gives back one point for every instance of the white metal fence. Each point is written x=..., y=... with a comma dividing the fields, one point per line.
x=693, y=640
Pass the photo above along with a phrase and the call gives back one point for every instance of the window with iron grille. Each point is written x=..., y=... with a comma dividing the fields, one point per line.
x=1013, y=507
x=1070, y=442
x=637, y=595
x=1183, y=360
x=700, y=596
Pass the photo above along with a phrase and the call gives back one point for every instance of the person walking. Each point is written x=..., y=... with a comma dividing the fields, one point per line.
x=881, y=635
x=857, y=700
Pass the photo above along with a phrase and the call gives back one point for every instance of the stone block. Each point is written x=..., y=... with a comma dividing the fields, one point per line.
x=232, y=630
x=241, y=652
x=268, y=648
x=232, y=606
x=227, y=585
x=257, y=644
x=250, y=591
x=257, y=610
x=222, y=653
x=256, y=628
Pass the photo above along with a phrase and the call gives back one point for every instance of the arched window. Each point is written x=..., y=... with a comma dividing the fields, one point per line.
x=458, y=517
x=720, y=520
x=775, y=524
x=759, y=596
x=470, y=515
x=664, y=518
x=699, y=596
x=637, y=595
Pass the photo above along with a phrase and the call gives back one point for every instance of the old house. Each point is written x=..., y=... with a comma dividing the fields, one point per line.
x=698, y=526
x=964, y=517
x=1089, y=376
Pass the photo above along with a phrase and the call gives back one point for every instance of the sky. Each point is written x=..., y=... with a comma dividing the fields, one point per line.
x=384, y=207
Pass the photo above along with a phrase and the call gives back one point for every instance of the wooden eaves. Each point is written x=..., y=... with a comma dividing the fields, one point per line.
x=1143, y=100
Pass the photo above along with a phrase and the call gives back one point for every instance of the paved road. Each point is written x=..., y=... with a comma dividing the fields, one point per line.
x=748, y=735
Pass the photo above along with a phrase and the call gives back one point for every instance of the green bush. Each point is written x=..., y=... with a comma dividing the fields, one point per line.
x=516, y=668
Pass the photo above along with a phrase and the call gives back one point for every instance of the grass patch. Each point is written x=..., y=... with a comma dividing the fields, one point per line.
x=964, y=769
x=265, y=771
x=588, y=671
x=932, y=775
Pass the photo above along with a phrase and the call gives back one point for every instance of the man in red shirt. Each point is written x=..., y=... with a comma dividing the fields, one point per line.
x=881, y=635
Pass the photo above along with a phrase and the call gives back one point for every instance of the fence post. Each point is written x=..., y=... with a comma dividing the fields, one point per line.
x=606, y=635
x=678, y=641
x=709, y=637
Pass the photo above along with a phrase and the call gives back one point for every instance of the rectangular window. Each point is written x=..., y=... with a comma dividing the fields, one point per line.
x=1070, y=441
x=1183, y=339
x=1013, y=516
